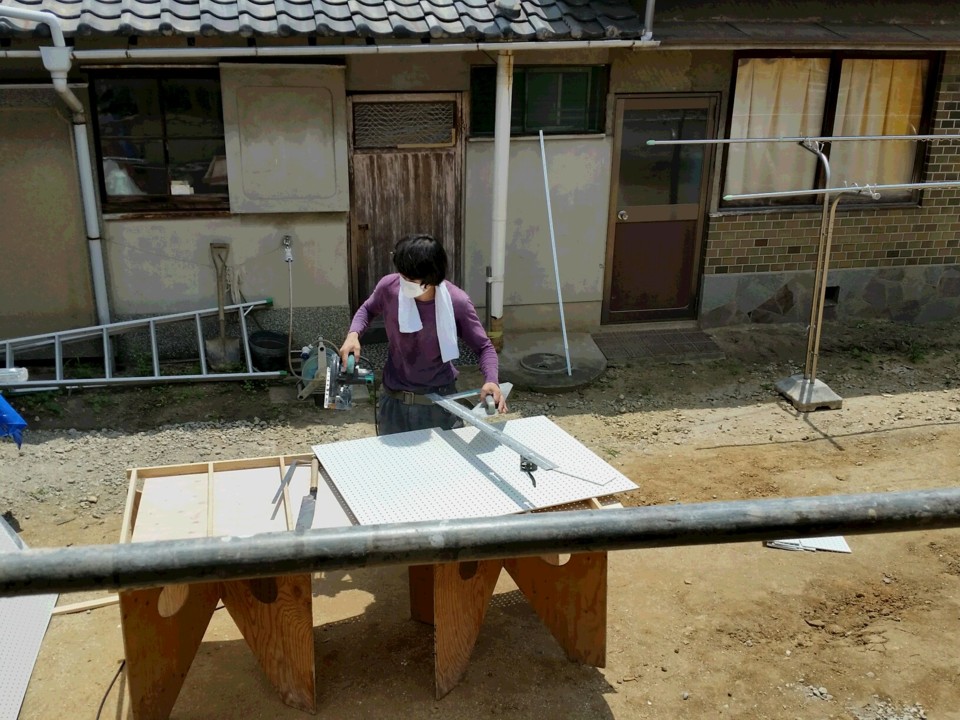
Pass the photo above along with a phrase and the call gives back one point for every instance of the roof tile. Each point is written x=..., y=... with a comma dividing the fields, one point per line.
x=475, y=19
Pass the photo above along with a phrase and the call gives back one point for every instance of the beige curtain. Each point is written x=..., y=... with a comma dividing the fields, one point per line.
x=877, y=97
x=775, y=97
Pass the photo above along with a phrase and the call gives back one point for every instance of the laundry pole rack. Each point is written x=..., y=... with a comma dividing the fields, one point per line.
x=805, y=391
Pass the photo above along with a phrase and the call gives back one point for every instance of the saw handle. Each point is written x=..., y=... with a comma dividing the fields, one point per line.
x=351, y=363
x=490, y=404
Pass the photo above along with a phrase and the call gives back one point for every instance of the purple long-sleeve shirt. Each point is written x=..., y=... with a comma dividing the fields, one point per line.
x=413, y=361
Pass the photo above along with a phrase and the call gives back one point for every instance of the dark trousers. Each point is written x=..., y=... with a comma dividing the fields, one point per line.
x=394, y=416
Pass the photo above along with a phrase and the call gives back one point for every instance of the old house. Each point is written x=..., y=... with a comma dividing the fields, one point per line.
x=342, y=124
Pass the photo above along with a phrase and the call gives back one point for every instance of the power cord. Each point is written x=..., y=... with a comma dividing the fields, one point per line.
x=110, y=687
x=376, y=418
x=288, y=258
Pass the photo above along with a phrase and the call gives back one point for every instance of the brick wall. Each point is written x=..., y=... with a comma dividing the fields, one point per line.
x=873, y=237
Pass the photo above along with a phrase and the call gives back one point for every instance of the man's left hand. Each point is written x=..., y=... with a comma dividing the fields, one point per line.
x=494, y=389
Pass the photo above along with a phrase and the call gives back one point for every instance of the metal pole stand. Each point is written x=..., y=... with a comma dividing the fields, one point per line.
x=805, y=391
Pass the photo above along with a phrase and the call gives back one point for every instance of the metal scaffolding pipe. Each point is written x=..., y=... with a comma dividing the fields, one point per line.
x=840, y=138
x=865, y=189
x=823, y=264
x=152, y=564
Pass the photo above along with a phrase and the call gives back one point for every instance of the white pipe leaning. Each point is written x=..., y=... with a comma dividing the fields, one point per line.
x=553, y=246
x=501, y=177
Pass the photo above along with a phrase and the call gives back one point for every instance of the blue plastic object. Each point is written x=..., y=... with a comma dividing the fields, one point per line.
x=11, y=424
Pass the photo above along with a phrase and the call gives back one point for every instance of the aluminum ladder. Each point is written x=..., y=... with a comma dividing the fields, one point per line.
x=10, y=347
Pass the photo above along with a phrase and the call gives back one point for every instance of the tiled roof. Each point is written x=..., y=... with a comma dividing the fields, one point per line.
x=461, y=19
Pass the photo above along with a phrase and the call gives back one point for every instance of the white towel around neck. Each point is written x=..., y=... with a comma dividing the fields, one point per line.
x=409, y=317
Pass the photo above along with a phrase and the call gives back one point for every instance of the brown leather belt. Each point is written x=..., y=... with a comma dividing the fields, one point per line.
x=407, y=397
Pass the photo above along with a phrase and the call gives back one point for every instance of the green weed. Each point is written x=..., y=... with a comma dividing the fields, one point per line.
x=39, y=404
x=916, y=352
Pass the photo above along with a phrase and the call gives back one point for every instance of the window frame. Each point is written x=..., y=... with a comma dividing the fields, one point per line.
x=166, y=204
x=836, y=57
x=597, y=92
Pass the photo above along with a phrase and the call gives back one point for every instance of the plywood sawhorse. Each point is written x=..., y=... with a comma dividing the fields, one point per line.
x=569, y=598
x=163, y=627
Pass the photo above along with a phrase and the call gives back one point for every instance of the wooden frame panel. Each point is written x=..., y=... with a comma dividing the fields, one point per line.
x=354, y=238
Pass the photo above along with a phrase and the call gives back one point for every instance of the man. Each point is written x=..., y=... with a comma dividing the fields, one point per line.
x=424, y=314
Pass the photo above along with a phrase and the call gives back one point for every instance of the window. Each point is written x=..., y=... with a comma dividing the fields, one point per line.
x=160, y=140
x=835, y=95
x=557, y=100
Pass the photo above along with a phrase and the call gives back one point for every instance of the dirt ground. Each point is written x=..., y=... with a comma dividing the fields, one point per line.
x=739, y=630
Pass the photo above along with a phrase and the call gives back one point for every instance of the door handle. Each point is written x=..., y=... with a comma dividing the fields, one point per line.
x=622, y=215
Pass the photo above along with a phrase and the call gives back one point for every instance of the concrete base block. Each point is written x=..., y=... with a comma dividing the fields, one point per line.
x=808, y=396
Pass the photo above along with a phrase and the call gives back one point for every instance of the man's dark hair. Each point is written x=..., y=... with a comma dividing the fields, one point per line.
x=421, y=257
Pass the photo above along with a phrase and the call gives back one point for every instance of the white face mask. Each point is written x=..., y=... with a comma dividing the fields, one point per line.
x=411, y=289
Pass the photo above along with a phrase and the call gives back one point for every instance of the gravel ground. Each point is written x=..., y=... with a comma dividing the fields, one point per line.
x=725, y=631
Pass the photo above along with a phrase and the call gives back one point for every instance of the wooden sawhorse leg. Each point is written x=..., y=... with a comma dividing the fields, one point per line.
x=275, y=616
x=162, y=633
x=570, y=599
x=160, y=647
x=453, y=597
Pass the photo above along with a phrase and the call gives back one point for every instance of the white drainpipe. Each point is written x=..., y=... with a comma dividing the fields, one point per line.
x=501, y=173
x=57, y=61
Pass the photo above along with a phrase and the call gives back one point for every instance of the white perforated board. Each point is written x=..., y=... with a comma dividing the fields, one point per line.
x=437, y=475
x=23, y=623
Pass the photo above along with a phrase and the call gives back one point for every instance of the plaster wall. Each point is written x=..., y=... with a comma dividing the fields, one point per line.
x=45, y=269
x=163, y=266
x=579, y=174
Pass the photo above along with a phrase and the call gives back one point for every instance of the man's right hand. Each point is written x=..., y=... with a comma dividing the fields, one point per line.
x=350, y=345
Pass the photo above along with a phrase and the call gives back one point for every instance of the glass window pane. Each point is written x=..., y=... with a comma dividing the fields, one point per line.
x=483, y=101
x=128, y=108
x=134, y=168
x=192, y=107
x=574, y=100
x=517, y=102
x=775, y=97
x=483, y=94
x=543, y=100
x=660, y=174
x=558, y=101
x=878, y=97
x=197, y=167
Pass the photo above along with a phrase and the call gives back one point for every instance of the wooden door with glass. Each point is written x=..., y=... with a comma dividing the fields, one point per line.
x=658, y=204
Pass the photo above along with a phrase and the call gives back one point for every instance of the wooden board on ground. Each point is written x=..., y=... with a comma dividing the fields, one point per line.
x=85, y=605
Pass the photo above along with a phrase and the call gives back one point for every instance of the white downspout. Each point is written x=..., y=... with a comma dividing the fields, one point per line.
x=648, y=21
x=501, y=172
x=57, y=61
